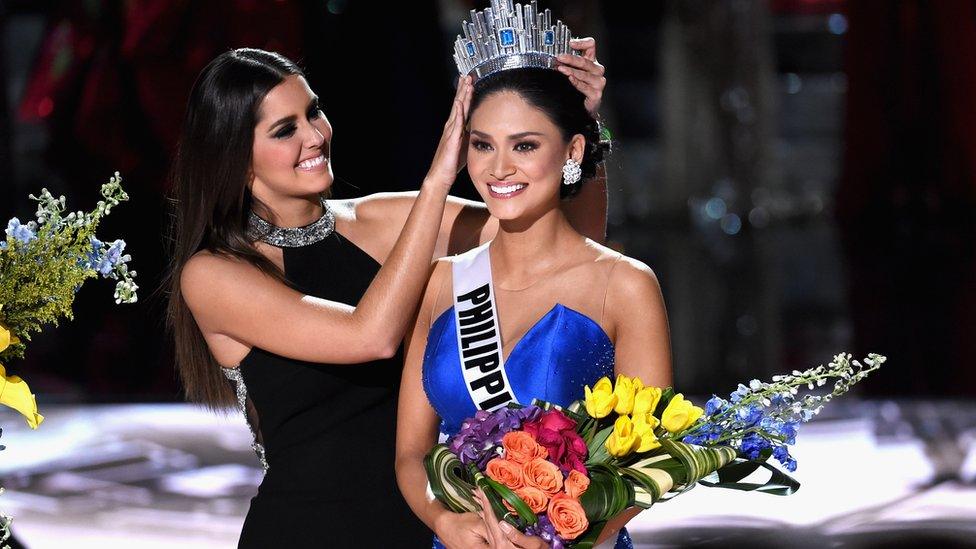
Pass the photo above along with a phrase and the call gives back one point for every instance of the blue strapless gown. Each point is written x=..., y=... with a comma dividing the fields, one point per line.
x=563, y=351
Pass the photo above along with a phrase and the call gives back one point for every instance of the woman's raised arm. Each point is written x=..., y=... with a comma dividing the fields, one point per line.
x=236, y=300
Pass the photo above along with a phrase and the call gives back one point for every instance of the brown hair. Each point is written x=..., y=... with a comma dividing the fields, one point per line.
x=210, y=197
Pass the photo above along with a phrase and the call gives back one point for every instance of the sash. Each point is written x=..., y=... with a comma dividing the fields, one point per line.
x=478, y=331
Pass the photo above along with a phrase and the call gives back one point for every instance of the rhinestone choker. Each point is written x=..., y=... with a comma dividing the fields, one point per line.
x=320, y=229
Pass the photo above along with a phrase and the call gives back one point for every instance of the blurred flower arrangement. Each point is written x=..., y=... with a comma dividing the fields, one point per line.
x=43, y=264
x=562, y=473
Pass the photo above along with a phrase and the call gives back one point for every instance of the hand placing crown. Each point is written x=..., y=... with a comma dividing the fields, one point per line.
x=510, y=36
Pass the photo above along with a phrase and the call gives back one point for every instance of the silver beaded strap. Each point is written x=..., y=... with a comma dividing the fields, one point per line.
x=234, y=374
x=286, y=237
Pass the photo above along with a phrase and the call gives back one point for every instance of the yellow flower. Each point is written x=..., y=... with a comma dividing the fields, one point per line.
x=624, y=389
x=6, y=338
x=15, y=393
x=646, y=399
x=680, y=414
x=600, y=401
x=644, y=425
x=623, y=439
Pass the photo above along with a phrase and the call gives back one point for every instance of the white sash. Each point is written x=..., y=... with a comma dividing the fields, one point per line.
x=478, y=331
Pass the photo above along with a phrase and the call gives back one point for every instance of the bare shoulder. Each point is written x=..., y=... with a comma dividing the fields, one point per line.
x=628, y=276
x=207, y=276
x=441, y=271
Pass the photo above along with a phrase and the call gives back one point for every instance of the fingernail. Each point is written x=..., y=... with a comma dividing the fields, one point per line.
x=506, y=527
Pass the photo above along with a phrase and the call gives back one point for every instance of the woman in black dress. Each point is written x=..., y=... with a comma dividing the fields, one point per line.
x=306, y=321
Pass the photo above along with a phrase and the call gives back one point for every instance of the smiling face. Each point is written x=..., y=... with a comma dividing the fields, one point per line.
x=291, y=143
x=515, y=157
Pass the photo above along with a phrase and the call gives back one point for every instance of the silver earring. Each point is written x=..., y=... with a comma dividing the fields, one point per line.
x=571, y=172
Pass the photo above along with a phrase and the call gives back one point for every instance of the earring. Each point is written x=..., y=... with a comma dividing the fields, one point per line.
x=571, y=172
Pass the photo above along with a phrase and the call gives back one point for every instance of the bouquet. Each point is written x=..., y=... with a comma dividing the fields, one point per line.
x=562, y=473
x=43, y=263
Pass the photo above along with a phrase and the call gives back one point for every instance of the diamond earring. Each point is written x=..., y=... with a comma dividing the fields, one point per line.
x=571, y=172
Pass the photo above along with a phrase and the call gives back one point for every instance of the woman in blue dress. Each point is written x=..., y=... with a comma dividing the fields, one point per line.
x=563, y=310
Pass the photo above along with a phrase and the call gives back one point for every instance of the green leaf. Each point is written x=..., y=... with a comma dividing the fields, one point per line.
x=446, y=475
x=778, y=484
x=666, y=396
x=491, y=488
x=588, y=539
x=596, y=448
x=608, y=493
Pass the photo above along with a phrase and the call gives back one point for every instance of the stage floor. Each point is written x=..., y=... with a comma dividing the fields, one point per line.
x=874, y=474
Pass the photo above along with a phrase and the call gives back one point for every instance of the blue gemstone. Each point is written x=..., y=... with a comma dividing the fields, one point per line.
x=470, y=48
x=550, y=38
x=506, y=37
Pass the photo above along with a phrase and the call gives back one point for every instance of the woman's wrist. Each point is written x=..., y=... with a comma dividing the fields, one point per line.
x=437, y=184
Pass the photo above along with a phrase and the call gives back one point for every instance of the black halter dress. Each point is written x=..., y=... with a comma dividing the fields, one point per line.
x=328, y=430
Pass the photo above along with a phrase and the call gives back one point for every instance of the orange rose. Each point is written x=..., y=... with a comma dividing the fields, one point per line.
x=506, y=472
x=521, y=447
x=576, y=484
x=543, y=475
x=536, y=499
x=567, y=516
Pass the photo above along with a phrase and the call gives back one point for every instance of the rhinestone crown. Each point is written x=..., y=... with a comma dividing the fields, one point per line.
x=507, y=36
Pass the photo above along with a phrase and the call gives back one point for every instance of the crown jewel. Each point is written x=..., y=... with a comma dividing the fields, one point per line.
x=507, y=36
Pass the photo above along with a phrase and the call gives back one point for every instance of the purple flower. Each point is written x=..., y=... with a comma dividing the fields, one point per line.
x=545, y=530
x=480, y=436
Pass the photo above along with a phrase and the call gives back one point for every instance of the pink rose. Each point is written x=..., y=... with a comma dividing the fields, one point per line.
x=557, y=434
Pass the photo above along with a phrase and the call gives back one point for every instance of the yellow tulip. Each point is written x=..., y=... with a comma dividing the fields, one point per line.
x=624, y=389
x=15, y=393
x=623, y=440
x=645, y=401
x=6, y=338
x=600, y=401
x=638, y=384
x=680, y=414
x=644, y=425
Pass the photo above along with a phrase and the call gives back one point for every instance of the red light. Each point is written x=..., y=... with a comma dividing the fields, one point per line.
x=44, y=107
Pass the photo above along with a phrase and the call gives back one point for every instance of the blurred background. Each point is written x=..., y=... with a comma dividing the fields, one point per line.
x=800, y=174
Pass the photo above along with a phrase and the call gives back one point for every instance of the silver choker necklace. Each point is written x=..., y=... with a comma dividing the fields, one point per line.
x=282, y=237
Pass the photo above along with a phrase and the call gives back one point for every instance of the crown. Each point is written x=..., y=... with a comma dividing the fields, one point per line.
x=507, y=36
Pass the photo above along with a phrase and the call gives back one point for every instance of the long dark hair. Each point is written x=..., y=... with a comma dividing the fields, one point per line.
x=211, y=199
x=552, y=93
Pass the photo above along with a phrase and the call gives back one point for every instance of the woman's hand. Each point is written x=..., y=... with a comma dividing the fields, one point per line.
x=585, y=72
x=450, y=150
x=461, y=530
x=502, y=534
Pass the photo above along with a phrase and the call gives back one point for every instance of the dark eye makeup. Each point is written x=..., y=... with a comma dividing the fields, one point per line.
x=314, y=111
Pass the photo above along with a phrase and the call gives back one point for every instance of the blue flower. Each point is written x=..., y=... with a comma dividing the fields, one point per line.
x=782, y=455
x=110, y=258
x=781, y=400
x=19, y=231
x=749, y=416
x=714, y=405
x=752, y=445
x=739, y=393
